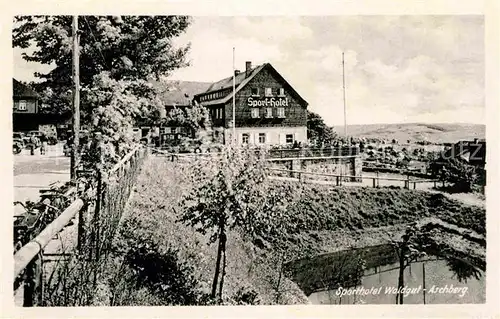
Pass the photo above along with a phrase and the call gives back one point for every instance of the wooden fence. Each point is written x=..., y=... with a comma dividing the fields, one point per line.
x=339, y=180
x=98, y=206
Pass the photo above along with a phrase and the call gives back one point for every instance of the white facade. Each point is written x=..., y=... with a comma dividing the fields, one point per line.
x=270, y=135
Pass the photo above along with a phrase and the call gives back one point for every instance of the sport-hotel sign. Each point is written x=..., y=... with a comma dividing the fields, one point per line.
x=268, y=101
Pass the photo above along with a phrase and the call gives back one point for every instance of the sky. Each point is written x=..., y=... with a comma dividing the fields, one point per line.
x=398, y=69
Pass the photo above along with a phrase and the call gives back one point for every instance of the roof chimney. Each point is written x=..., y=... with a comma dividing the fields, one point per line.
x=248, y=68
x=236, y=72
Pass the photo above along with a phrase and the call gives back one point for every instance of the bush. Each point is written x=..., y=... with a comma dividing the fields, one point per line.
x=462, y=175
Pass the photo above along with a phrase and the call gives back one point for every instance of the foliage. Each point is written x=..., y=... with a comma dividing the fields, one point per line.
x=462, y=175
x=462, y=270
x=158, y=197
x=161, y=273
x=308, y=212
x=119, y=56
x=409, y=248
x=317, y=131
x=195, y=117
x=231, y=194
x=333, y=208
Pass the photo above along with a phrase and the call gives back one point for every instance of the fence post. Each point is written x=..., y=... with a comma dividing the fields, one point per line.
x=414, y=185
x=338, y=180
x=435, y=184
x=82, y=226
x=33, y=284
x=374, y=179
x=98, y=204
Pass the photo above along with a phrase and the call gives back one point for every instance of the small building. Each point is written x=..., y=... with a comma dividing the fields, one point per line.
x=175, y=96
x=268, y=110
x=25, y=108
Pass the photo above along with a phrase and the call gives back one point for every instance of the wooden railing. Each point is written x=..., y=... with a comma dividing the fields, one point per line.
x=339, y=179
x=104, y=200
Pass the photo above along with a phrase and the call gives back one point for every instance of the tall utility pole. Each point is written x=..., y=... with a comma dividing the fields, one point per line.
x=75, y=156
x=234, y=101
x=343, y=91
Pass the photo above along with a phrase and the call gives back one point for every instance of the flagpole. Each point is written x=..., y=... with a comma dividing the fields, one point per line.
x=234, y=102
x=343, y=91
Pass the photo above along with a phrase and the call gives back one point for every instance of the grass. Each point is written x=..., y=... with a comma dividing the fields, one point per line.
x=324, y=219
x=152, y=217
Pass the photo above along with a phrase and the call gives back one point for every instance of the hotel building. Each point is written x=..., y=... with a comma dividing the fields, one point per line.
x=268, y=109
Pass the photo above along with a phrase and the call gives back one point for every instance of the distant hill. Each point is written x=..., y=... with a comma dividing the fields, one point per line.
x=416, y=131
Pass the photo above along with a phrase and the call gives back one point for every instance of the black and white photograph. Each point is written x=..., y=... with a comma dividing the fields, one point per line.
x=203, y=160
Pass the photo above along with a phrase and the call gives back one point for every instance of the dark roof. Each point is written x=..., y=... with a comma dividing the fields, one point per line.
x=180, y=92
x=241, y=80
x=228, y=82
x=22, y=90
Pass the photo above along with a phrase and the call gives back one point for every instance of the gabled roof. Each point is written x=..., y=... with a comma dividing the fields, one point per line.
x=180, y=92
x=241, y=80
x=22, y=90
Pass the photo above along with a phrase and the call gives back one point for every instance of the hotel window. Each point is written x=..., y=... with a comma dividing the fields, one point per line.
x=244, y=138
x=281, y=92
x=268, y=92
x=255, y=91
x=269, y=112
x=22, y=105
x=281, y=112
x=255, y=113
x=262, y=138
x=289, y=138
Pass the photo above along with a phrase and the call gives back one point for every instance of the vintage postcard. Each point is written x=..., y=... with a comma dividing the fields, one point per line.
x=322, y=161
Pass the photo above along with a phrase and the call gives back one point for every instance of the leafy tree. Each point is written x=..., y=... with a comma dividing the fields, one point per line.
x=195, y=119
x=223, y=201
x=409, y=248
x=317, y=131
x=119, y=56
x=453, y=170
x=233, y=193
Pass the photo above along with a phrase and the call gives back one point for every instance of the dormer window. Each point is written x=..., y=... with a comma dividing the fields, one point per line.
x=255, y=91
x=281, y=92
x=269, y=92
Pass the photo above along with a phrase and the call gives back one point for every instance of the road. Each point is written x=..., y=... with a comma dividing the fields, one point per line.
x=35, y=172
